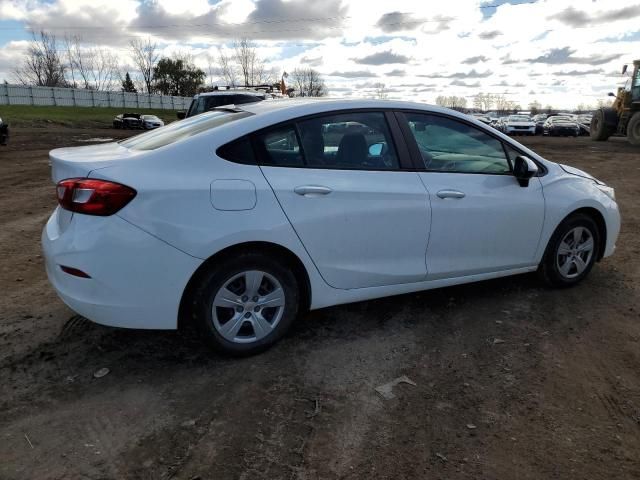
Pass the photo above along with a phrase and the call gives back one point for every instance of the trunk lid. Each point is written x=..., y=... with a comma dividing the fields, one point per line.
x=81, y=161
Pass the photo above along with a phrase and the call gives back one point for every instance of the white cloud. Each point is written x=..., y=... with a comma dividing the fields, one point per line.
x=418, y=49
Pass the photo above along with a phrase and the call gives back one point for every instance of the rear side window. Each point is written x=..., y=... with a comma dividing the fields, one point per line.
x=279, y=147
x=239, y=151
x=358, y=140
x=177, y=131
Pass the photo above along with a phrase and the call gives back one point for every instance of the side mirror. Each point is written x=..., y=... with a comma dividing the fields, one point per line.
x=523, y=169
x=181, y=114
x=375, y=150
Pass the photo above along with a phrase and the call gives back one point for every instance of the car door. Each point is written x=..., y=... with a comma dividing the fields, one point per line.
x=482, y=219
x=339, y=178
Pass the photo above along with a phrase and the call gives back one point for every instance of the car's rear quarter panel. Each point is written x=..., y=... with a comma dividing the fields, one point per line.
x=173, y=202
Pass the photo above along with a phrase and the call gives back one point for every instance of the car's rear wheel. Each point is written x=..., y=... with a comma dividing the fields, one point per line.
x=246, y=303
x=571, y=252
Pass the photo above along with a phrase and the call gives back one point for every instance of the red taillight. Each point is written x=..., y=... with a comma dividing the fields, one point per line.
x=93, y=197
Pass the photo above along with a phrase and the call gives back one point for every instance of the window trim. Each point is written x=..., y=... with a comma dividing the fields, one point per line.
x=417, y=157
x=404, y=158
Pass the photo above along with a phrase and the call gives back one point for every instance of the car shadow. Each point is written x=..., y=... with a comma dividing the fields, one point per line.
x=86, y=347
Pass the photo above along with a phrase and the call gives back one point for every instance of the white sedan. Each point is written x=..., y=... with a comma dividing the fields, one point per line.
x=241, y=218
x=519, y=125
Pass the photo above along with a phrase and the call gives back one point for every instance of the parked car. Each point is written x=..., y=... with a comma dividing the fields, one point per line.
x=128, y=120
x=203, y=102
x=584, y=122
x=561, y=126
x=540, y=119
x=149, y=122
x=4, y=132
x=482, y=118
x=519, y=125
x=240, y=219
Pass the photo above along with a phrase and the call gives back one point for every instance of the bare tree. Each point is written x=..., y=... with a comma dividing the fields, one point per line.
x=454, y=102
x=252, y=68
x=502, y=104
x=228, y=70
x=42, y=65
x=68, y=53
x=145, y=56
x=96, y=68
x=380, y=91
x=211, y=69
x=483, y=101
x=308, y=82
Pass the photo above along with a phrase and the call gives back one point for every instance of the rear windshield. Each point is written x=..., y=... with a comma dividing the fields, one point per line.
x=177, y=131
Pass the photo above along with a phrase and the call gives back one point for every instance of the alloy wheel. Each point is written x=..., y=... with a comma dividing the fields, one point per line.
x=575, y=252
x=248, y=306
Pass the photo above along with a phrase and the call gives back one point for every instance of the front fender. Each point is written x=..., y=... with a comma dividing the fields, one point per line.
x=565, y=194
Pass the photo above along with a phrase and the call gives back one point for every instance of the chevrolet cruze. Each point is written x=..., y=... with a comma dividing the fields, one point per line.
x=243, y=217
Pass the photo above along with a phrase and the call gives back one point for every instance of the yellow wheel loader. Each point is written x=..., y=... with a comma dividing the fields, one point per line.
x=623, y=117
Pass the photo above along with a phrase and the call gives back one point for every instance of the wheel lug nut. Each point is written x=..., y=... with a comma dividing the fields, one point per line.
x=247, y=315
x=255, y=299
x=257, y=309
x=245, y=298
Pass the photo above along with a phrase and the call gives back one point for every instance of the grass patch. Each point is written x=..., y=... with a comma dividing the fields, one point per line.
x=90, y=117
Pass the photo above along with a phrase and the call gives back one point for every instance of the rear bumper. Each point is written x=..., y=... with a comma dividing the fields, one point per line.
x=136, y=280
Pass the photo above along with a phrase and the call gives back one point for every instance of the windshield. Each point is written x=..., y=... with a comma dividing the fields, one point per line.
x=177, y=131
x=150, y=117
x=518, y=118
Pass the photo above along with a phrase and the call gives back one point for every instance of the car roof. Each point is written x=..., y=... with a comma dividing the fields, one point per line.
x=230, y=92
x=292, y=108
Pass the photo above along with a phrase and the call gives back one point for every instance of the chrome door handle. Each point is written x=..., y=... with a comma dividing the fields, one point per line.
x=312, y=190
x=450, y=194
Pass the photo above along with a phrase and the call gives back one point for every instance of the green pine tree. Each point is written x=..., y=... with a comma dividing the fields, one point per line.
x=127, y=84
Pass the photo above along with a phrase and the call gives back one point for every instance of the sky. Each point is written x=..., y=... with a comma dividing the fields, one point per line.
x=557, y=52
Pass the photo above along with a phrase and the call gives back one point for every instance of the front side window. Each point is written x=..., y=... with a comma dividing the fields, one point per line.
x=448, y=145
x=358, y=140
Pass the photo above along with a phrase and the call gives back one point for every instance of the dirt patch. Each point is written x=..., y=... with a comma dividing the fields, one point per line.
x=550, y=379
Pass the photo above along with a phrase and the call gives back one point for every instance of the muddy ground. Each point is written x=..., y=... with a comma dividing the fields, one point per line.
x=558, y=398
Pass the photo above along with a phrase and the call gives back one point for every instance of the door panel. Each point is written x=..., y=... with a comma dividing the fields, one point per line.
x=482, y=219
x=361, y=228
x=494, y=225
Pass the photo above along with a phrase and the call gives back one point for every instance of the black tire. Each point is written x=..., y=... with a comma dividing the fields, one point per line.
x=216, y=277
x=603, y=124
x=633, y=130
x=549, y=267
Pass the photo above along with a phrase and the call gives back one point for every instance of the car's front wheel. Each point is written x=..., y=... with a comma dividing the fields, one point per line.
x=571, y=252
x=246, y=303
